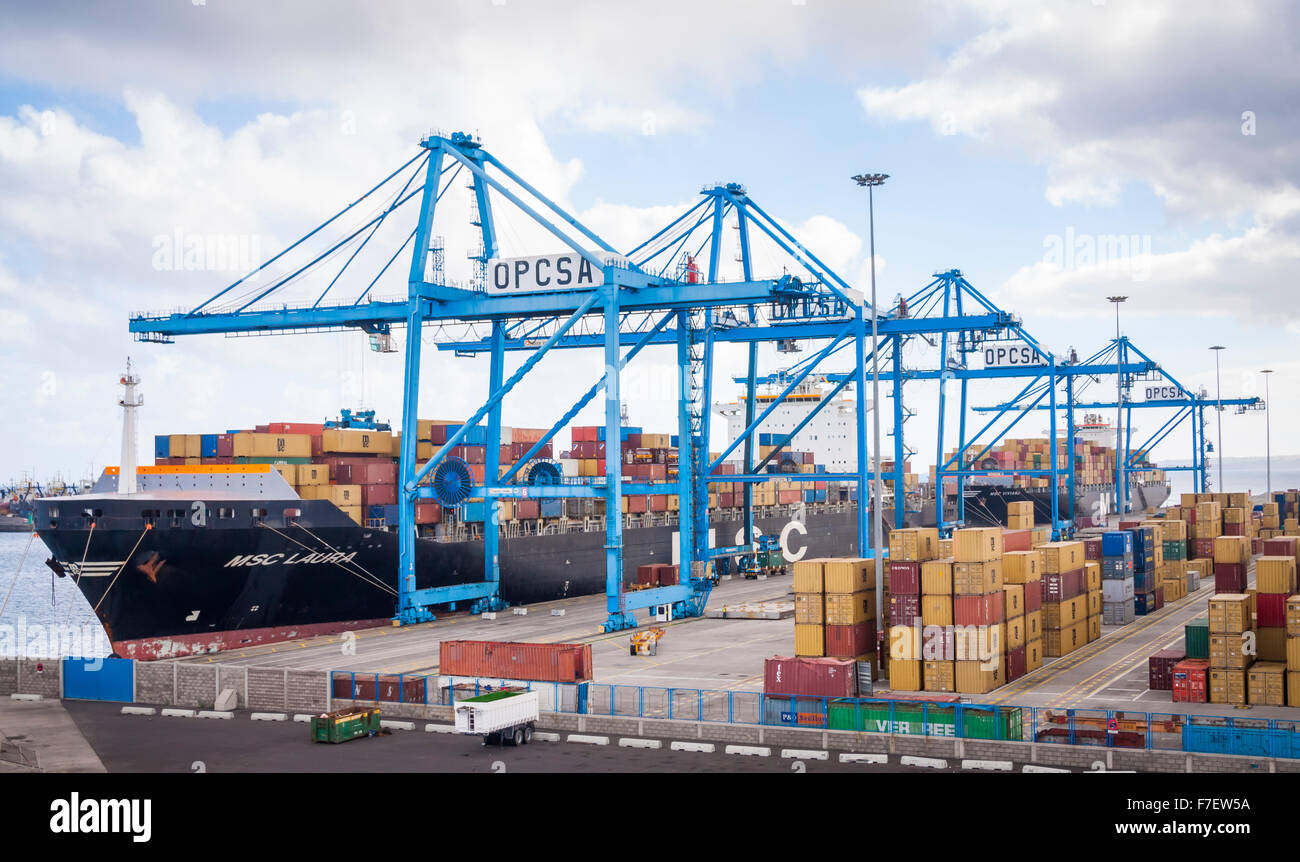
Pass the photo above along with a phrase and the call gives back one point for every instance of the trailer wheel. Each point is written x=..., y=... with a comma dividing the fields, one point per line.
x=528, y=734
x=519, y=736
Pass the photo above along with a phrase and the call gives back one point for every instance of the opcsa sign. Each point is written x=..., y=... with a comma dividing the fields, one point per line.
x=545, y=272
x=1010, y=354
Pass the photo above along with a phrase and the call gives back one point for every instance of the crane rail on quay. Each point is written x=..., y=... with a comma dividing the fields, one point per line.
x=667, y=291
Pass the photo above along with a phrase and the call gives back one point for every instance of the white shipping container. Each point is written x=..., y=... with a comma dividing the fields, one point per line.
x=482, y=717
x=569, y=466
x=507, y=436
x=1117, y=590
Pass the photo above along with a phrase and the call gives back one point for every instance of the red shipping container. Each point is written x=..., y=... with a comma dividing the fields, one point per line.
x=297, y=428
x=810, y=677
x=1092, y=548
x=225, y=445
x=1229, y=578
x=507, y=660
x=1204, y=548
x=1280, y=546
x=904, y=578
x=1015, y=663
x=1160, y=669
x=1160, y=597
x=428, y=513
x=633, y=441
x=1033, y=598
x=637, y=504
x=1234, y=529
x=1256, y=547
x=1189, y=681
x=978, y=610
x=850, y=641
x=527, y=510
x=647, y=574
x=1064, y=586
x=905, y=609
x=666, y=575
x=1017, y=540
x=1270, y=610
x=378, y=495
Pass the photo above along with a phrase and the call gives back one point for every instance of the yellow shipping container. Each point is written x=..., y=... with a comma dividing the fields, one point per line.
x=1063, y=641
x=1094, y=602
x=905, y=674
x=945, y=549
x=252, y=445
x=809, y=640
x=809, y=609
x=936, y=578
x=1270, y=644
x=1034, y=625
x=1292, y=687
x=846, y=609
x=1094, y=628
x=1234, y=515
x=1033, y=654
x=1092, y=574
x=312, y=474
x=1022, y=567
x=977, y=544
x=1231, y=549
x=1230, y=613
x=940, y=676
x=936, y=610
x=916, y=544
x=1013, y=599
x=1059, y=557
x=1293, y=616
x=1227, y=686
x=176, y=445
x=905, y=642
x=341, y=495
x=1275, y=575
x=356, y=441
x=353, y=512
x=1059, y=615
x=1266, y=683
x=807, y=575
x=288, y=471
x=1228, y=651
x=848, y=575
x=1015, y=633
x=1020, y=508
x=976, y=579
x=974, y=677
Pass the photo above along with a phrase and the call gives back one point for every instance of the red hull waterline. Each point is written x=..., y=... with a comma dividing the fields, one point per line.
x=179, y=646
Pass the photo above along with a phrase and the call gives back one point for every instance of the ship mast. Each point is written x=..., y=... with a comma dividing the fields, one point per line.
x=126, y=480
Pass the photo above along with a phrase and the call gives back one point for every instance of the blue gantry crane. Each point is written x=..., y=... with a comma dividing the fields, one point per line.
x=673, y=291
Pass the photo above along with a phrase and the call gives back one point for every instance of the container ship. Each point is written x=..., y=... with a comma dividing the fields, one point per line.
x=288, y=530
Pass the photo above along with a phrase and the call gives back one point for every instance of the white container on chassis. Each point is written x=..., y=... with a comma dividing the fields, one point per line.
x=501, y=714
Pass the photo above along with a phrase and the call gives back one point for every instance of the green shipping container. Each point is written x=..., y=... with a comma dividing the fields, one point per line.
x=926, y=719
x=1175, y=550
x=345, y=724
x=1196, y=638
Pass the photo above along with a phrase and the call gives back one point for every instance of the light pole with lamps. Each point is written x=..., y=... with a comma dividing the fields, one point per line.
x=871, y=181
x=1119, y=411
x=1218, y=406
x=1268, y=443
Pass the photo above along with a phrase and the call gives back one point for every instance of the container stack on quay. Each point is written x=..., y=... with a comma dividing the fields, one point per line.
x=835, y=610
x=1094, y=464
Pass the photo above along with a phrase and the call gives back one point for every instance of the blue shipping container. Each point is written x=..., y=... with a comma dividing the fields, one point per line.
x=552, y=508
x=1247, y=741
x=1143, y=603
x=472, y=512
x=1117, y=543
x=162, y=446
x=208, y=445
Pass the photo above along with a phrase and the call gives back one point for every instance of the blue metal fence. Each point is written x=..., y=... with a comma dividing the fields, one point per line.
x=1095, y=727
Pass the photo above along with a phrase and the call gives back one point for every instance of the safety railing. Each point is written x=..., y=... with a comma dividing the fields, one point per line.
x=1107, y=728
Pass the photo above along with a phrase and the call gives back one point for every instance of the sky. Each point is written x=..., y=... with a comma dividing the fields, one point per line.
x=1056, y=153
